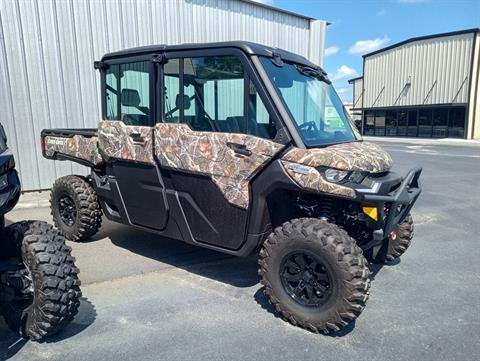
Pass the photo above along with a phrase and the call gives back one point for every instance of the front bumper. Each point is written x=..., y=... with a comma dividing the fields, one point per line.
x=392, y=206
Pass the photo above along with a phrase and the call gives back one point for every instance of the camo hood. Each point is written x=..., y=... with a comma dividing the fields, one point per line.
x=358, y=156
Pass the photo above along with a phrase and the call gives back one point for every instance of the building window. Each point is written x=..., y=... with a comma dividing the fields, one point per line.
x=380, y=122
x=412, y=129
x=440, y=123
x=369, y=123
x=425, y=123
x=402, y=122
x=456, y=122
x=391, y=123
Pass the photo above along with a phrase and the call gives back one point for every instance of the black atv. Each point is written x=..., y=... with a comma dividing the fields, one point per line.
x=39, y=287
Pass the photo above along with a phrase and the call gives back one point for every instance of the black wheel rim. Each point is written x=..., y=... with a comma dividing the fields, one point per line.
x=306, y=279
x=67, y=210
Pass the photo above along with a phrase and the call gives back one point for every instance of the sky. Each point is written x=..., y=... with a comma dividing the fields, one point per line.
x=359, y=27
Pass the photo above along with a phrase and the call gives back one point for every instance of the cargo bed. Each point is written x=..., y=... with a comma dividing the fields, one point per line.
x=78, y=145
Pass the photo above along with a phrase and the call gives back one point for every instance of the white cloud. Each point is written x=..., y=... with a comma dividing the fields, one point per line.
x=344, y=72
x=382, y=12
x=266, y=2
x=366, y=46
x=331, y=50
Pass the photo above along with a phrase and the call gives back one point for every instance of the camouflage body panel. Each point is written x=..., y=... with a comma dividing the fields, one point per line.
x=359, y=156
x=115, y=141
x=310, y=179
x=178, y=147
x=78, y=146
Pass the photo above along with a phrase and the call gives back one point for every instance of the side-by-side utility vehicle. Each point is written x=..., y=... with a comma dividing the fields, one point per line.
x=240, y=148
x=39, y=286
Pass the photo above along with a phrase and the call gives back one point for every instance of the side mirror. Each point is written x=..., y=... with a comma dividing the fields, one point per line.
x=130, y=98
x=187, y=103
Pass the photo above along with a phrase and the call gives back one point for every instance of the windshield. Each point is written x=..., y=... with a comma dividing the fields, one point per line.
x=314, y=105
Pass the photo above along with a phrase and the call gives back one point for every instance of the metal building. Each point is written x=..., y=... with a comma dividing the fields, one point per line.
x=422, y=87
x=47, y=50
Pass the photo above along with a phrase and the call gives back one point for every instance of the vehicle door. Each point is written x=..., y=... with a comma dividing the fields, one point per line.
x=125, y=139
x=215, y=136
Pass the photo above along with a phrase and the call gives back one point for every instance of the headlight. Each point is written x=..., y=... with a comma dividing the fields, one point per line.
x=357, y=177
x=3, y=181
x=335, y=175
x=343, y=176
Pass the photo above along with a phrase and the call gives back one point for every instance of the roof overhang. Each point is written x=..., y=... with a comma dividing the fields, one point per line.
x=419, y=38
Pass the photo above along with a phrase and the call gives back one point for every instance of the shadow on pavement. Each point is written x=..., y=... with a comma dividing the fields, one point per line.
x=236, y=271
x=376, y=267
x=11, y=343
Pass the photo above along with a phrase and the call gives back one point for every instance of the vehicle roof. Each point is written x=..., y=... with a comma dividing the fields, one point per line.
x=247, y=47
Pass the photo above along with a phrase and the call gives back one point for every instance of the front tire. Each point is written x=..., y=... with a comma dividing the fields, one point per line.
x=75, y=209
x=314, y=274
x=50, y=297
x=398, y=241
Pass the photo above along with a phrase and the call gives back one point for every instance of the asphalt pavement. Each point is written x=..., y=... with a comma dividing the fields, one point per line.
x=150, y=298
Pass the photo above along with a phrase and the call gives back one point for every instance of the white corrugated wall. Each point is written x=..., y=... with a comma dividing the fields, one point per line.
x=437, y=70
x=47, y=49
x=358, y=93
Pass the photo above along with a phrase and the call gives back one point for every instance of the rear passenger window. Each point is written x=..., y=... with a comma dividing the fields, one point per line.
x=111, y=91
x=135, y=93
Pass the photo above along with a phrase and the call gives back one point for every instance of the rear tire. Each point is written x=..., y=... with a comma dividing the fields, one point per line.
x=337, y=272
x=51, y=299
x=75, y=208
x=398, y=245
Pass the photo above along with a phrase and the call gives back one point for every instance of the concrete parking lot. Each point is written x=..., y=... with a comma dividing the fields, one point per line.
x=148, y=298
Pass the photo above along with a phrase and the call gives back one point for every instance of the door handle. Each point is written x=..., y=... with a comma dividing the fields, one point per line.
x=239, y=148
x=137, y=138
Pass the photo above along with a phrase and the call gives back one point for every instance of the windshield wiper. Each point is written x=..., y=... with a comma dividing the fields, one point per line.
x=314, y=73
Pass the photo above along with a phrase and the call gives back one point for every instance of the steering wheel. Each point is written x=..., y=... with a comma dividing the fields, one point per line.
x=309, y=126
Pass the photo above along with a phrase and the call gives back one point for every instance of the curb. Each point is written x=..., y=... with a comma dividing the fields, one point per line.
x=33, y=200
x=425, y=141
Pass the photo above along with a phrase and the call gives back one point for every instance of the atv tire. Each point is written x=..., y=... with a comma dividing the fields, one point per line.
x=335, y=267
x=75, y=208
x=398, y=245
x=51, y=299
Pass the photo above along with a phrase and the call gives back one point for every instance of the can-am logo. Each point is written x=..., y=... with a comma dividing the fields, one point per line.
x=55, y=141
x=297, y=168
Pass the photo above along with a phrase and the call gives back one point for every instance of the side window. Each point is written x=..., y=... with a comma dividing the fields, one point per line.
x=214, y=86
x=259, y=122
x=208, y=93
x=212, y=93
x=135, y=93
x=171, y=71
x=111, y=91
